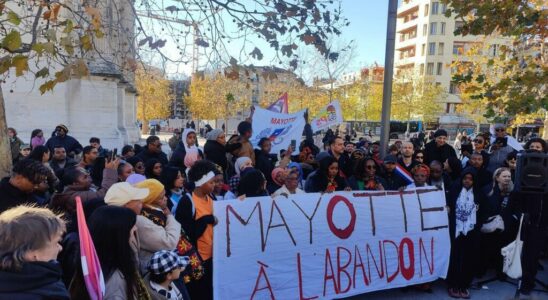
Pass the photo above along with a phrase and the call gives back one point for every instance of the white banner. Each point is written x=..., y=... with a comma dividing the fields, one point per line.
x=281, y=129
x=328, y=116
x=313, y=246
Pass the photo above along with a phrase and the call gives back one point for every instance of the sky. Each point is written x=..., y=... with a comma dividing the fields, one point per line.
x=367, y=30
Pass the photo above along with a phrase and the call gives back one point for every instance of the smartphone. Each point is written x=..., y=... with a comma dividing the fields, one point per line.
x=113, y=154
x=293, y=144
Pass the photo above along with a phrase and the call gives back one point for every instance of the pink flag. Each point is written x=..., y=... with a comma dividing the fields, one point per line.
x=281, y=105
x=91, y=268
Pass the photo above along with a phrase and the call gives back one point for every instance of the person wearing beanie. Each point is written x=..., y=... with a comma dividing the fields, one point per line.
x=60, y=137
x=241, y=143
x=156, y=226
x=438, y=149
x=215, y=149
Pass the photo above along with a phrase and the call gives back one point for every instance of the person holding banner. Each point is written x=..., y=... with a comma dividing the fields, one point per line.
x=464, y=225
x=291, y=185
x=326, y=179
x=29, y=246
x=365, y=176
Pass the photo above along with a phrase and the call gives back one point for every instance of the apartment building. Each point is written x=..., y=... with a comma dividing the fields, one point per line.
x=425, y=43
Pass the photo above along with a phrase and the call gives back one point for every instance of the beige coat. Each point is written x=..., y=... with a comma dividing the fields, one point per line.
x=154, y=237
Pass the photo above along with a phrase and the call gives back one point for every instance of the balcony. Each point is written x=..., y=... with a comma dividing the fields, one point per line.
x=408, y=7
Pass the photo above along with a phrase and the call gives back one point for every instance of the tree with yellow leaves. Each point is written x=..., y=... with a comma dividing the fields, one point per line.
x=415, y=97
x=154, y=95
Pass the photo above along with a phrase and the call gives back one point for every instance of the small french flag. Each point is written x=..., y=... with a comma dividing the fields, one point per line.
x=404, y=174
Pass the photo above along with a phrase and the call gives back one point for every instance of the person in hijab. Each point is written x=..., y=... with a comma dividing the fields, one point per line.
x=215, y=148
x=241, y=164
x=463, y=203
x=278, y=178
x=187, y=144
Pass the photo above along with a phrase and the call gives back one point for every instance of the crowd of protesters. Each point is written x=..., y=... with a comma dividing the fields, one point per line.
x=151, y=216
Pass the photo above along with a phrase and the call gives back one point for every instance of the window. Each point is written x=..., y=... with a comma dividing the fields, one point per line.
x=421, y=70
x=433, y=28
x=442, y=29
x=440, y=48
x=431, y=48
x=439, y=69
x=443, y=8
x=426, y=10
x=424, y=29
x=435, y=7
x=430, y=69
x=423, y=49
x=454, y=88
x=458, y=24
x=458, y=48
x=493, y=49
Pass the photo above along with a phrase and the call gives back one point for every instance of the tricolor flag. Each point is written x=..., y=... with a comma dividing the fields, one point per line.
x=404, y=174
x=91, y=268
x=281, y=105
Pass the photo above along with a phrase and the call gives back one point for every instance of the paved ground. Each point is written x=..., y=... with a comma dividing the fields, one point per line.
x=495, y=290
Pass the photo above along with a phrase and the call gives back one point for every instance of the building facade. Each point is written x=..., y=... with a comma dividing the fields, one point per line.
x=425, y=43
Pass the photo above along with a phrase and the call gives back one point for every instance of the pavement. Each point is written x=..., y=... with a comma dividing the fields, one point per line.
x=495, y=290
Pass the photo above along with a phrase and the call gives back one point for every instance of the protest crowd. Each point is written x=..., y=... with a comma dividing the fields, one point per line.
x=150, y=216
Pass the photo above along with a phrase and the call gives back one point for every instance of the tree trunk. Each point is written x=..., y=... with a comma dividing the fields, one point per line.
x=5, y=149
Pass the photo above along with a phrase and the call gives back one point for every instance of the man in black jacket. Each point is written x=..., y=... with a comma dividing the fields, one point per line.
x=61, y=137
x=153, y=149
x=438, y=149
x=18, y=189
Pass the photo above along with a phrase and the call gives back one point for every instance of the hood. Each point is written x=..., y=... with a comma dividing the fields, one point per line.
x=41, y=278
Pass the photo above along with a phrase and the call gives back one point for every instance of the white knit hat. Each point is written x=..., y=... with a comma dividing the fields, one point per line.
x=121, y=193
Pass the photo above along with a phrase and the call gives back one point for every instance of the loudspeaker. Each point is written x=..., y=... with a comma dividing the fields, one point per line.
x=532, y=172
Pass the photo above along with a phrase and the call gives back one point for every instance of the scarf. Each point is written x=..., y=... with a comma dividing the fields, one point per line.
x=186, y=132
x=465, y=212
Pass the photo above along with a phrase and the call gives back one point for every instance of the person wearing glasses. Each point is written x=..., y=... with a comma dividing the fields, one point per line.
x=480, y=145
x=419, y=156
x=153, y=149
x=365, y=176
x=500, y=147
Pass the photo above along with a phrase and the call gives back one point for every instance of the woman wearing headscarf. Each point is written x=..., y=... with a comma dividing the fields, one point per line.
x=187, y=143
x=241, y=164
x=214, y=148
x=463, y=203
x=278, y=178
x=156, y=226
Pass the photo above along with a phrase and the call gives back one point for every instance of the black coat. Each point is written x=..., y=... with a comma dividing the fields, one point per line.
x=178, y=157
x=317, y=183
x=393, y=181
x=146, y=155
x=10, y=196
x=493, y=206
x=433, y=152
x=216, y=153
x=185, y=214
x=35, y=281
x=68, y=142
x=265, y=163
x=479, y=199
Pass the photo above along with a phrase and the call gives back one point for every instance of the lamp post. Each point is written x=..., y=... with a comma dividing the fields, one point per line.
x=388, y=74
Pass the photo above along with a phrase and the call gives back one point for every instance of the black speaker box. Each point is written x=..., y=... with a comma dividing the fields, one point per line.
x=532, y=172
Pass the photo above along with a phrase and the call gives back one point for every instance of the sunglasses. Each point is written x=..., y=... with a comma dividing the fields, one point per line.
x=478, y=141
x=371, y=167
x=500, y=129
x=419, y=157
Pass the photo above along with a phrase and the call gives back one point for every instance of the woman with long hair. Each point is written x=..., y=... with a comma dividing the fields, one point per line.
x=114, y=233
x=37, y=138
x=499, y=220
x=326, y=178
x=365, y=176
x=173, y=181
x=153, y=169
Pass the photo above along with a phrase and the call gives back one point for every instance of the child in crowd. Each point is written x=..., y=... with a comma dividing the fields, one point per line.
x=163, y=280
